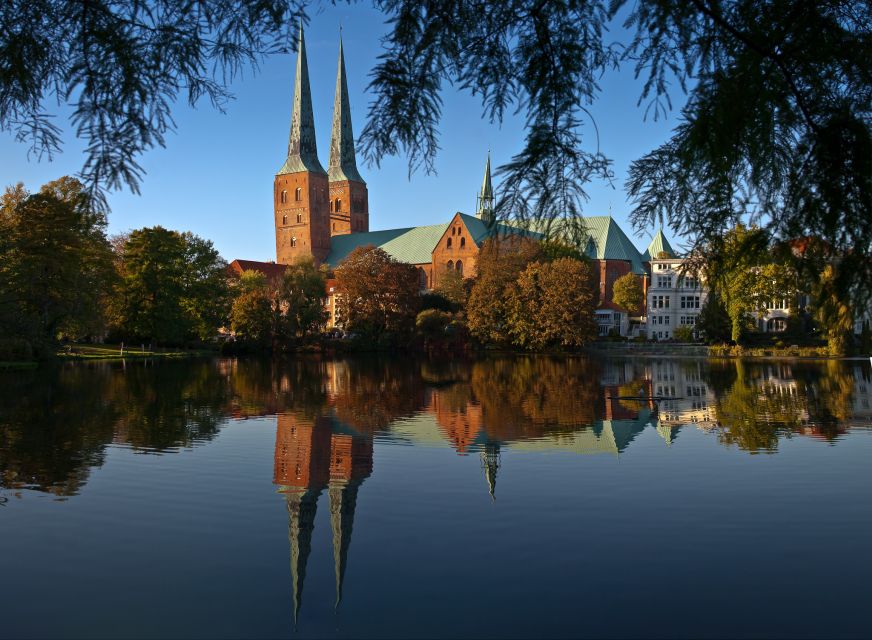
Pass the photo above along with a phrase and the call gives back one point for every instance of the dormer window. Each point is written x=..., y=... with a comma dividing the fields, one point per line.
x=298, y=194
x=284, y=197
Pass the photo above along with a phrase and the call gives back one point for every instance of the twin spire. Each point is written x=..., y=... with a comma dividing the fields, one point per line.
x=302, y=145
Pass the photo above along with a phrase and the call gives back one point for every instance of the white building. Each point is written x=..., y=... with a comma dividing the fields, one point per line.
x=675, y=295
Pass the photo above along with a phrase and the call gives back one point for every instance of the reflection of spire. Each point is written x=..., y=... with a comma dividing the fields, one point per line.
x=343, y=500
x=490, y=462
x=302, y=506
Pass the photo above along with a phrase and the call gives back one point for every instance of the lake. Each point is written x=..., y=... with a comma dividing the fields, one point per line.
x=394, y=497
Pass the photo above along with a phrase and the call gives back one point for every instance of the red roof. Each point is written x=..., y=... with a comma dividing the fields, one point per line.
x=271, y=270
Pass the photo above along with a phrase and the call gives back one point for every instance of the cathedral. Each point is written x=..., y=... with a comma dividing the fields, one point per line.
x=324, y=215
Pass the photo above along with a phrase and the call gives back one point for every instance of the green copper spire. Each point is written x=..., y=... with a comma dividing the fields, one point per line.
x=302, y=148
x=342, y=165
x=659, y=244
x=485, y=204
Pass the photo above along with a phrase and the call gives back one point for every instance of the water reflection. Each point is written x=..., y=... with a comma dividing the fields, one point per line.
x=55, y=425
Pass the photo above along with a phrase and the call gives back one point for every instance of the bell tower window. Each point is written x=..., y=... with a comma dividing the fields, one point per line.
x=293, y=242
x=298, y=194
x=337, y=205
x=448, y=245
x=285, y=219
x=284, y=197
x=299, y=217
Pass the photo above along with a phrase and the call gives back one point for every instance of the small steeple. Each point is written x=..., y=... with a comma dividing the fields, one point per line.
x=485, y=200
x=490, y=462
x=302, y=147
x=343, y=164
x=659, y=244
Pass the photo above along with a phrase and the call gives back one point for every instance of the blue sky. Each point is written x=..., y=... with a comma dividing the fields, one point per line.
x=215, y=176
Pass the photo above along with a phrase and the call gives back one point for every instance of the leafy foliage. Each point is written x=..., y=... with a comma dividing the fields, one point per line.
x=627, y=293
x=121, y=66
x=252, y=315
x=376, y=294
x=551, y=305
x=302, y=292
x=55, y=265
x=713, y=320
x=173, y=287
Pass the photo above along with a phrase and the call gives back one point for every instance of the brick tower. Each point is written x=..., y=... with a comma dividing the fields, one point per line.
x=349, y=201
x=300, y=193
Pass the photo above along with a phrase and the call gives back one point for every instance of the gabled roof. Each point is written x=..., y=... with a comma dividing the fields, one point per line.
x=271, y=270
x=412, y=245
x=658, y=244
x=607, y=241
x=480, y=230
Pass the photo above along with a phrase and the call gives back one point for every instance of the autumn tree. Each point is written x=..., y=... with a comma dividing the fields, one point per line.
x=376, y=294
x=551, y=305
x=55, y=264
x=452, y=287
x=499, y=263
x=173, y=287
x=628, y=293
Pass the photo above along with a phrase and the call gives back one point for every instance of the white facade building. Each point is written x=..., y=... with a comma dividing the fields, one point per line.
x=675, y=298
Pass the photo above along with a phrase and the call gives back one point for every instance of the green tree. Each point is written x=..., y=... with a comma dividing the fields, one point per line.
x=376, y=294
x=252, y=315
x=627, y=293
x=55, y=264
x=552, y=305
x=302, y=291
x=714, y=321
x=173, y=287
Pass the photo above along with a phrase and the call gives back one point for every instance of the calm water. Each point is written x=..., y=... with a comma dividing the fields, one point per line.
x=508, y=497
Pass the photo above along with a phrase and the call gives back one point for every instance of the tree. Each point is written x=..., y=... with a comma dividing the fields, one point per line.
x=252, y=316
x=627, y=293
x=376, y=294
x=552, y=305
x=714, y=321
x=500, y=262
x=302, y=291
x=453, y=288
x=173, y=287
x=55, y=264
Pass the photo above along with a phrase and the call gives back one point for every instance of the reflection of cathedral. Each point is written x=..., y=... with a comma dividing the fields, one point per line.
x=312, y=455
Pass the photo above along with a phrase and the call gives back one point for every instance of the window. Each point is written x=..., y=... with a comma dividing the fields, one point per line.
x=462, y=242
x=777, y=324
x=459, y=267
x=453, y=230
x=285, y=219
x=422, y=278
x=450, y=262
x=666, y=318
x=293, y=242
x=298, y=194
x=337, y=205
x=449, y=243
x=664, y=282
x=299, y=217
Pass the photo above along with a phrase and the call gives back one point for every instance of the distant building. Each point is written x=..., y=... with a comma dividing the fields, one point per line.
x=675, y=294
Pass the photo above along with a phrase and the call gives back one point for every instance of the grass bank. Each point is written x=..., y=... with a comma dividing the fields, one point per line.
x=115, y=352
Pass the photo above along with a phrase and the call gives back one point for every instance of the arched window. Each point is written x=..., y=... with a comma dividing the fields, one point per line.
x=284, y=219
x=293, y=242
x=452, y=230
x=298, y=195
x=459, y=267
x=337, y=205
x=284, y=196
x=299, y=217
x=449, y=243
x=422, y=278
x=462, y=242
x=450, y=265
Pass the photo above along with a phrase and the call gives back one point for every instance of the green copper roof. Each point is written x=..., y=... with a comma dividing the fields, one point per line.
x=658, y=243
x=412, y=245
x=342, y=164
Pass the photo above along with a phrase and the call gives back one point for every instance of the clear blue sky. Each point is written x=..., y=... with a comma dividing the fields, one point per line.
x=215, y=176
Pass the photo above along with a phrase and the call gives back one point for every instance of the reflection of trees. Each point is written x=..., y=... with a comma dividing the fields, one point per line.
x=371, y=393
x=527, y=397
x=762, y=402
x=54, y=426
